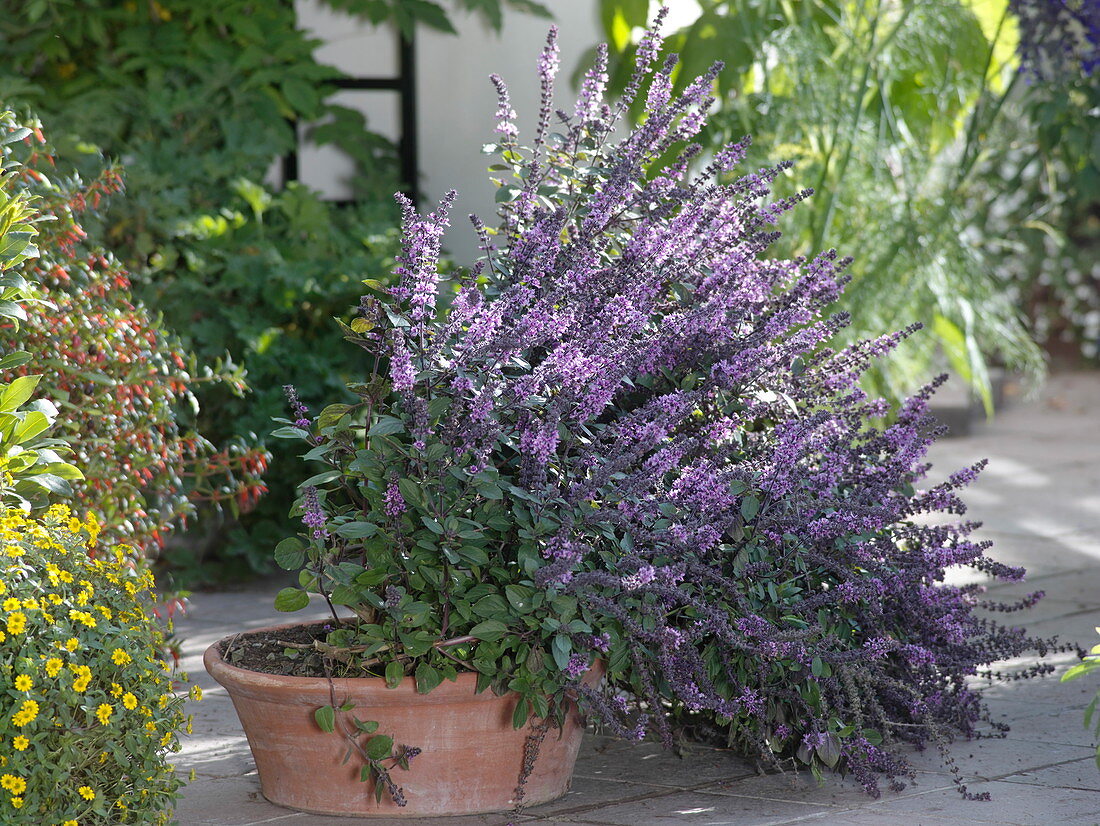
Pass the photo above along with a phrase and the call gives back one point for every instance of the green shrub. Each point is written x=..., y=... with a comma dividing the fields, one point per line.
x=120, y=382
x=1089, y=663
x=198, y=95
x=31, y=467
x=885, y=108
x=30, y=463
x=263, y=279
x=1051, y=220
x=88, y=710
x=245, y=279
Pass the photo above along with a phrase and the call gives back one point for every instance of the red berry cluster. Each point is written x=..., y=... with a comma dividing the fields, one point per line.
x=121, y=380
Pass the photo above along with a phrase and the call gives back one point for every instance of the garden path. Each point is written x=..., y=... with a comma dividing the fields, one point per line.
x=1040, y=502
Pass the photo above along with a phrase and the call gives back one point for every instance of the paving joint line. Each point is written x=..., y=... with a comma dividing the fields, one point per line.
x=1001, y=777
x=664, y=791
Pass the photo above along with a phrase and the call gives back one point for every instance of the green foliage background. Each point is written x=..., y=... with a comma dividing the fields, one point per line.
x=197, y=98
x=886, y=109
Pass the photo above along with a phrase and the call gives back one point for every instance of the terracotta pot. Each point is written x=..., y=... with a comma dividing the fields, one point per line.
x=470, y=760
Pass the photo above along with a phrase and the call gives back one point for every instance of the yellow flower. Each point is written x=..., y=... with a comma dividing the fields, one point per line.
x=79, y=616
x=87, y=792
x=104, y=712
x=129, y=701
x=15, y=785
x=103, y=609
x=71, y=644
x=11, y=604
x=17, y=621
x=3, y=636
x=66, y=577
x=17, y=803
x=53, y=666
x=82, y=676
x=26, y=714
x=30, y=604
x=69, y=823
x=20, y=743
x=23, y=683
x=196, y=693
x=120, y=657
x=116, y=690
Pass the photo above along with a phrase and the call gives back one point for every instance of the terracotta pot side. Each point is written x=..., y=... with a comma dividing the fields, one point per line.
x=469, y=764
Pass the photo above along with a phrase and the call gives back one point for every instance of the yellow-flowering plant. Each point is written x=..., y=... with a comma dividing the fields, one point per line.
x=88, y=713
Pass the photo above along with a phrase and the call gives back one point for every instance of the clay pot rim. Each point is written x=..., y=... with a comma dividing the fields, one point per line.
x=315, y=691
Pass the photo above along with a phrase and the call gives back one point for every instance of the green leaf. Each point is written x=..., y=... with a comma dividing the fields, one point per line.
x=62, y=470
x=345, y=595
x=52, y=483
x=521, y=713
x=320, y=479
x=332, y=414
x=300, y=95
x=750, y=506
x=357, y=530
x=9, y=309
x=473, y=555
x=395, y=673
x=17, y=359
x=16, y=393
x=386, y=426
x=489, y=630
x=290, y=433
x=326, y=718
x=15, y=135
x=380, y=747
x=410, y=490
x=427, y=678
x=366, y=726
x=490, y=491
x=408, y=13
x=291, y=599
x=290, y=554
x=491, y=606
x=520, y=597
x=1090, y=709
x=561, y=647
x=829, y=751
x=432, y=525
x=871, y=736
x=33, y=423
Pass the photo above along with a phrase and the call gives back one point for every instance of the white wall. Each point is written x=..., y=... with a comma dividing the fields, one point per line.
x=455, y=98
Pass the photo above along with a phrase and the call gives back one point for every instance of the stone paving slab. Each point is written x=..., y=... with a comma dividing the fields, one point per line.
x=1040, y=504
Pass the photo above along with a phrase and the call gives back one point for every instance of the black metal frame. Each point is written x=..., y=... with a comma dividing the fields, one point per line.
x=404, y=83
